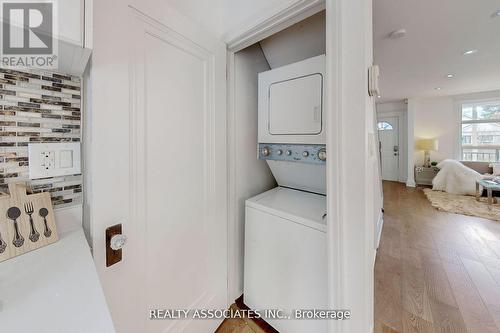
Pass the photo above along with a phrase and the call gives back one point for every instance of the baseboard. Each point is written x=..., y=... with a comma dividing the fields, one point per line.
x=411, y=183
x=380, y=225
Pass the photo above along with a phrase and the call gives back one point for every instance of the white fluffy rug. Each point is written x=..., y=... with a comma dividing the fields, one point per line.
x=463, y=204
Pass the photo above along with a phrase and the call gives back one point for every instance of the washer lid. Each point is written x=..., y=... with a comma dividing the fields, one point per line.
x=305, y=208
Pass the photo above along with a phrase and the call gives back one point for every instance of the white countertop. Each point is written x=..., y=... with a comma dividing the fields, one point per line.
x=53, y=289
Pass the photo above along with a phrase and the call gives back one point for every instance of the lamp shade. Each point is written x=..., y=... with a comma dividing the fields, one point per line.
x=427, y=144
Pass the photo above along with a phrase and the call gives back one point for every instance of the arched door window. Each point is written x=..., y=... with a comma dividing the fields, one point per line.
x=384, y=126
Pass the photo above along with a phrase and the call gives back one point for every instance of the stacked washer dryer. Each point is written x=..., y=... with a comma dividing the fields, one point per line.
x=285, y=228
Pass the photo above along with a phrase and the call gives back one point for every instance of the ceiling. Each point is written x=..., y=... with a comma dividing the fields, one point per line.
x=300, y=41
x=224, y=17
x=438, y=32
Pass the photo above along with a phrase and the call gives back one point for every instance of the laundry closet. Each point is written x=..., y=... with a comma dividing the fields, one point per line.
x=277, y=161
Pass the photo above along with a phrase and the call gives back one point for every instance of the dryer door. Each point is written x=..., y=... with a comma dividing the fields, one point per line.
x=295, y=106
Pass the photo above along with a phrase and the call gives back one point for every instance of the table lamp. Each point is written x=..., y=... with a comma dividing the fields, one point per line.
x=427, y=145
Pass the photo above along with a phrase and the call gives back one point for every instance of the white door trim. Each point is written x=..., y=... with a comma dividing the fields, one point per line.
x=333, y=101
x=283, y=19
x=410, y=141
x=280, y=19
x=277, y=22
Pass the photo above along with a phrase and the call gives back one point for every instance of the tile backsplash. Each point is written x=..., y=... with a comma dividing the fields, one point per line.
x=38, y=106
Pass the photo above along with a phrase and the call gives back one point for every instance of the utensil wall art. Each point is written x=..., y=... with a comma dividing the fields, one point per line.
x=26, y=222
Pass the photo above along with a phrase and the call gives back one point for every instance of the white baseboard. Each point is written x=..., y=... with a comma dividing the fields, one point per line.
x=380, y=225
x=411, y=183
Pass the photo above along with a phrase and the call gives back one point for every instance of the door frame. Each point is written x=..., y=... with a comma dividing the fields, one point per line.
x=277, y=22
x=403, y=141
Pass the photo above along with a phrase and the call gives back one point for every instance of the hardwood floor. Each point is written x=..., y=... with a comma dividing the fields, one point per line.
x=240, y=325
x=435, y=271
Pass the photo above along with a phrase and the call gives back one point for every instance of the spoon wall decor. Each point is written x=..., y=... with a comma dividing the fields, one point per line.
x=43, y=213
x=13, y=214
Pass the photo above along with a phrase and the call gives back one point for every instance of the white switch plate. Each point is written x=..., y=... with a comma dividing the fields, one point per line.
x=54, y=159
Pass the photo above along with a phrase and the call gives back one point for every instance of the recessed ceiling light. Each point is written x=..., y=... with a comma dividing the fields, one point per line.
x=449, y=76
x=379, y=96
x=438, y=88
x=469, y=52
x=496, y=14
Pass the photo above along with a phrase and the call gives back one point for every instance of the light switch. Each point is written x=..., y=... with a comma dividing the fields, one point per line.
x=53, y=159
x=66, y=159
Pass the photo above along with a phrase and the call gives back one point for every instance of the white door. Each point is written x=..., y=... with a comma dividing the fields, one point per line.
x=159, y=165
x=388, y=133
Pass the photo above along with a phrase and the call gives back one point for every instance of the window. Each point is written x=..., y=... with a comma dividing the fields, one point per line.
x=480, y=131
x=384, y=126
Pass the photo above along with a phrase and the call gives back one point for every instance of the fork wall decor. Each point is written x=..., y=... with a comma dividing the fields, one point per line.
x=26, y=221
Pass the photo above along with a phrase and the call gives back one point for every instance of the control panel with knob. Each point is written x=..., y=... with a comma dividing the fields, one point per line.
x=322, y=154
x=315, y=154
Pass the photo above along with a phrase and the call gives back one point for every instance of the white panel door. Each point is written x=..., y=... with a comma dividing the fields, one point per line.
x=166, y=182
x=388, y=132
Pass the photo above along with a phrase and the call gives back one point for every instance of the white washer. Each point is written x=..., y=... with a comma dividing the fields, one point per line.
x=285, y=256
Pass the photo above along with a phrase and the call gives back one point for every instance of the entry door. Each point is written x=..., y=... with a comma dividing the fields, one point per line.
x=159, y=168
x=388, y=132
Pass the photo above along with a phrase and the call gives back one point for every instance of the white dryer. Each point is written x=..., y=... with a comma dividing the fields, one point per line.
x=291, y=129
x=285, y=228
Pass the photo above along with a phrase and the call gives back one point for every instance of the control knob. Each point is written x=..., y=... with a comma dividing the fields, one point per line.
x=288, y=152
x=322, y=154
x=279, y=152
x=265, y=151
x=305, y=153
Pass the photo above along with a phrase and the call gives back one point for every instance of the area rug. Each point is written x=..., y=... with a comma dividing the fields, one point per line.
x=463, y=204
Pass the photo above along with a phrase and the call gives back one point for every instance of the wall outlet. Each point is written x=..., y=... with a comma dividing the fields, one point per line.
x=48, y=160
x=53, y=159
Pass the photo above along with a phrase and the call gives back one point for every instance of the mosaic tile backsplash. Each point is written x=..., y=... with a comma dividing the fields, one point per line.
x=37, y=106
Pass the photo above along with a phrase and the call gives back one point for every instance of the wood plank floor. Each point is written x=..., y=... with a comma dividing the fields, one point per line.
x=435, y=271
x=239, y=325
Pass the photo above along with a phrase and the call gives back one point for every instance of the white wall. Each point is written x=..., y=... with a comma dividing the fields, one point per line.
x=281, y=48
x=250, y=176
x=435, y=118
x=439, y=118
x=241, y=15
x=227, y=18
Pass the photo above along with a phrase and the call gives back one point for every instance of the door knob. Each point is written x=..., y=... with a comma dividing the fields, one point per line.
x=117, y=242
x=114, y=244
